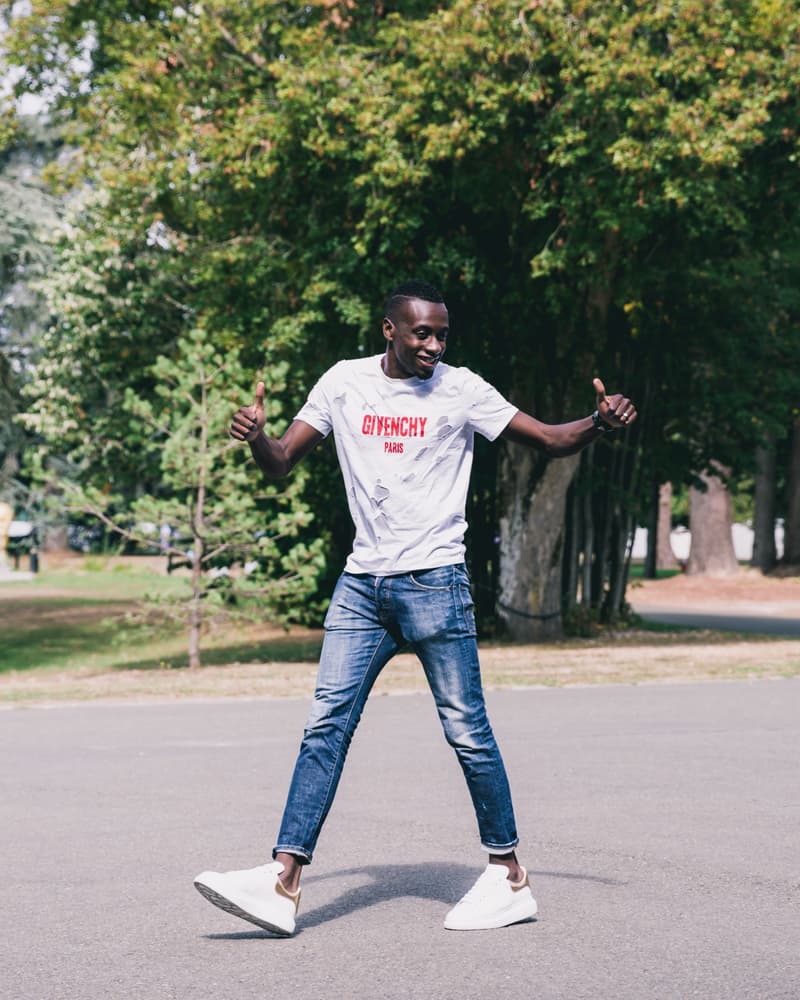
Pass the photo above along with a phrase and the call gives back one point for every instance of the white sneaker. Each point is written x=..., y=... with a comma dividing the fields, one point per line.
x=256, y=894
x=494, y=901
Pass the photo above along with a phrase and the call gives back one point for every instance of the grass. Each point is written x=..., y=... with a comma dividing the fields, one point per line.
x=636, y=572
x=69, y=618
x=96, y=580
x=66, y=620
x=65, y=636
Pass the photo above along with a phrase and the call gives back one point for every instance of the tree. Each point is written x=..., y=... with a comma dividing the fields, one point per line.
x=665, y=557
x=791, y=545
x=598, y=189
x=711, y=523
x=764, y=555
x=206, y=496
x=28, y=212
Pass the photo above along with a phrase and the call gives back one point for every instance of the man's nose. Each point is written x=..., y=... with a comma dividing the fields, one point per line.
x=432, y=344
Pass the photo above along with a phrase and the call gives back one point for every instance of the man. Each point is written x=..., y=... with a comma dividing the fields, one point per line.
x=403, y=424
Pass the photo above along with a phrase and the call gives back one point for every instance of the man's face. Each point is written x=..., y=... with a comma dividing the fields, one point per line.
x=417, y=338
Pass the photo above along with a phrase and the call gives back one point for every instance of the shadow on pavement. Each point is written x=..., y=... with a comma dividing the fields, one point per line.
x=443, y=883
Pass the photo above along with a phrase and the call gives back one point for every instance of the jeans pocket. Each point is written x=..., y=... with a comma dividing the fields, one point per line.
x=467, y=606
x=440, y=578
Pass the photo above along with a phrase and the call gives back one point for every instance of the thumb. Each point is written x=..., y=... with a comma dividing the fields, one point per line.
x=260, y=396
x=599, y=388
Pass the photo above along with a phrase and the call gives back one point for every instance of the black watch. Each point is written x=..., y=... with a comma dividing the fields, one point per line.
x=600, y=424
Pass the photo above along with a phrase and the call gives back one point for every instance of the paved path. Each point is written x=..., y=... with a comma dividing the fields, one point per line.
x=660, y=823
x=761, y=619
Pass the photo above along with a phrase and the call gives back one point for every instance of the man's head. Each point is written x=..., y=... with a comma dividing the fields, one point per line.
x=415, y=326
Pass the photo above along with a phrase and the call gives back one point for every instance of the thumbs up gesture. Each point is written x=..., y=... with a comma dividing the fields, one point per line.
x=248, y=421
x=616, y=410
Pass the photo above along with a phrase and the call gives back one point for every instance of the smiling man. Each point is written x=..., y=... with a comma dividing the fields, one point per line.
x=404, y=425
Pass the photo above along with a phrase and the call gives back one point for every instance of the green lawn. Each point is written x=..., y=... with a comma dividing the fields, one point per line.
x=636, y=572
x=65, y=635
x=69, y=619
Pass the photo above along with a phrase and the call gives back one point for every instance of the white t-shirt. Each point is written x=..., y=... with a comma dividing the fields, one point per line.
x=405, y=449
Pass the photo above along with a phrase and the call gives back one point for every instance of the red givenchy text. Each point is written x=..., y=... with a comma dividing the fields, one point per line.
x=394, y=426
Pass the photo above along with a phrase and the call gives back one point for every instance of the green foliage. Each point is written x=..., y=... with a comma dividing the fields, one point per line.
x=599, y=189
x=205, y=490
x=202, y=491
x=27, y=213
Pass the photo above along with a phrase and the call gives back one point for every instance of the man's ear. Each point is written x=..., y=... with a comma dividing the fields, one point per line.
x=388, y=328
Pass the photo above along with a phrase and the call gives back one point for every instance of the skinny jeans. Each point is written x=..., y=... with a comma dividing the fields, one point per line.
x=370, y=618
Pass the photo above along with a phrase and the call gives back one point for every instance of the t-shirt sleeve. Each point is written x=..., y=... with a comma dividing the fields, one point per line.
x=489, y=412
x=316, y=410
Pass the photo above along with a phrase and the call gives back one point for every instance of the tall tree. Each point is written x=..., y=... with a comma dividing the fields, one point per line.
x=764, y=554
x=28, y=214
x=599, y=189
x=215, y=519
x=711, y=525
x=791, y=542
x=665, y=557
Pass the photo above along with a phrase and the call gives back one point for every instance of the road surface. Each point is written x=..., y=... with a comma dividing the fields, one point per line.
x=660, y=824
x=761, y=618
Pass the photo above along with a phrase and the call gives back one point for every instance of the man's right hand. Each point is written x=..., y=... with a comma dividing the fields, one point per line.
x=248, y=421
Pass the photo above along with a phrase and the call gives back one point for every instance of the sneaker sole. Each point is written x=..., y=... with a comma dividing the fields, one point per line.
x=517, y=916
x=237, y=911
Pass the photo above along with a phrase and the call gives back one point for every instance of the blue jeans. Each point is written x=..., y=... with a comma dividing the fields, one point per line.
x=369, y=620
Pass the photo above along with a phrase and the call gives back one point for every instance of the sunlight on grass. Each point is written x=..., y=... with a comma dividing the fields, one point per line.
x=66, y=635
x=115, y=584
x=78, y=619
x=112, y=644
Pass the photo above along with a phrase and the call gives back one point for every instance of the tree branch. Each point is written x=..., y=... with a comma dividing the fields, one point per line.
x=254, y=58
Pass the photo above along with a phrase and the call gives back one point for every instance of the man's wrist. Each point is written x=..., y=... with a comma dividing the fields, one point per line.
x=599, y=424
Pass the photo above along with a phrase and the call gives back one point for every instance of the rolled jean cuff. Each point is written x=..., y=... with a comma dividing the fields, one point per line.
x=508, y=849
x=302, y=855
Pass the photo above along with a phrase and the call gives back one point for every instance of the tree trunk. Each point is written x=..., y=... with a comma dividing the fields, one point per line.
x=572, y=553
x=711, y=525
x=651, y=555
x=587, y=457
x=533, y=500
x=195, y=609
x=621, y=556
x=764, y=556
x=194, y=623
x=198, y=532
x=665, y=557
x=791, y=538
x=55, y=538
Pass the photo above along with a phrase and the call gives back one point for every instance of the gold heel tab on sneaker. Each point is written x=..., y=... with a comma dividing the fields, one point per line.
x=281, y=890
x=524, y=883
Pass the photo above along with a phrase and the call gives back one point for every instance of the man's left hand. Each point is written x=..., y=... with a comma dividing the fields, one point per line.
x=616, y=410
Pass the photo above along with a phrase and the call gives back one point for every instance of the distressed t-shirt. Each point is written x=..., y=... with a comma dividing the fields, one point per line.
x=405, y=450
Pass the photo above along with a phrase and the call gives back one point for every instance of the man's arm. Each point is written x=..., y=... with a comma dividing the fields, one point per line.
x=559, y=440
x=276, y=457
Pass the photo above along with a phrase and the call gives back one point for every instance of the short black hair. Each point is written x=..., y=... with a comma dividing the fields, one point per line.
x=413, y=289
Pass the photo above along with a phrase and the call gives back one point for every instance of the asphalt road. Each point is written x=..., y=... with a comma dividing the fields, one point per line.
x=764, y=622
x=660, y=824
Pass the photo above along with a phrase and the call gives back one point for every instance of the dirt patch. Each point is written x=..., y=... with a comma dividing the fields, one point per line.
x=745, y=587
x=38, y=614
x=625, y=657
x=629, y=658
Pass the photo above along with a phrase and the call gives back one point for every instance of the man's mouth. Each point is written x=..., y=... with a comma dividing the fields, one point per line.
x=428, y=362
